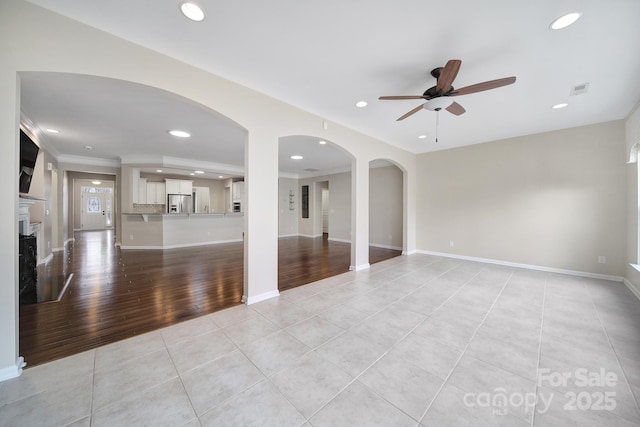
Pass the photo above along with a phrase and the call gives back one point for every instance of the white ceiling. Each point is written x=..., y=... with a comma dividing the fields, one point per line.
x=324, y=56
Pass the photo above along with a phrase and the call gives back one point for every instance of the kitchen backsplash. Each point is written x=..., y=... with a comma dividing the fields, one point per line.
x=143, y=208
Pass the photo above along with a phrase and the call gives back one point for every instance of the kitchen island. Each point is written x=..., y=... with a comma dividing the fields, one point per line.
x=166, y=231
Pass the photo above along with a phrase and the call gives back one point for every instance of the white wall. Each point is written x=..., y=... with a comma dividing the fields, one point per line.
x=34, y=39
x=555, y=199
x=288, y=218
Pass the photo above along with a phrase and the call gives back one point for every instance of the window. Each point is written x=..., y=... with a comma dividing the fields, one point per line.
x=94, y=205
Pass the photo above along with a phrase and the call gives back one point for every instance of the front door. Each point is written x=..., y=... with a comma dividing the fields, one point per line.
x=96, y=211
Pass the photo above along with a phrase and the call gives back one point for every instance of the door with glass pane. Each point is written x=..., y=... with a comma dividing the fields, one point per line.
x=96, y=208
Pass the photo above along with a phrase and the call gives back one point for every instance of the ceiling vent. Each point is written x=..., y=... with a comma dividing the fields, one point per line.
x=580, y=89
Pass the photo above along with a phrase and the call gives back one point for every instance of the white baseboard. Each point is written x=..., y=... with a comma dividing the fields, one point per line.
x=528, y=266
x=12, y=371
x=46, y=260
x=335, y=239
x=359, y=267
x=183, y=245
x=57, y=250
x=411, y=252
x=261, y=297
x=312, y=236
x=288, y=235
x=632, y=288
x=376, y=245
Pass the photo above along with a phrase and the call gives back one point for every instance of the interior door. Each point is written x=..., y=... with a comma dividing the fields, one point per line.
x=94, y=210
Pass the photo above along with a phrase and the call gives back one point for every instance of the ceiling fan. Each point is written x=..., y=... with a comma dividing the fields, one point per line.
x=439, y=96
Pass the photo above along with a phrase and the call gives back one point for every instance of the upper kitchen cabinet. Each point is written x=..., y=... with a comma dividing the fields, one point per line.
x=156, y=193
x=142, y=191
x=179, y=186
x=238, y=191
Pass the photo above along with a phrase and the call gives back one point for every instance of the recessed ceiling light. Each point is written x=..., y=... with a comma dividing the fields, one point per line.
x=88, y=147
x=565, y=20
x=96, y=182
x=559, y=106
x=53, y=130
x=199, y=172
x=322, y=142
x=192, y=11
x=361, y=104
x=220, y=176
x=158, y=170
x=422, y=137
x=192, y=174
x=297, y=157
x=179, y=133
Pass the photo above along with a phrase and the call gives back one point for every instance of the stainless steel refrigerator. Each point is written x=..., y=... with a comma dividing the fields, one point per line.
x=178, y=203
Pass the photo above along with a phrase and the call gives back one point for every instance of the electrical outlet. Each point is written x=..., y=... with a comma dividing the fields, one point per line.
x=450, y=243
x=602, y=259
x=130, y=236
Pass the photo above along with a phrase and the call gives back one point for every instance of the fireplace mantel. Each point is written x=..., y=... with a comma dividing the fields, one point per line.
x=23, y=213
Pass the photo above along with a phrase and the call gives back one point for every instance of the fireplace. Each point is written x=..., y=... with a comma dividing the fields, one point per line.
x=28, y=270
x=28, y=253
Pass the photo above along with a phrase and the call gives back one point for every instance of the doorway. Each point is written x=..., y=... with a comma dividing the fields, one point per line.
x=325, y=210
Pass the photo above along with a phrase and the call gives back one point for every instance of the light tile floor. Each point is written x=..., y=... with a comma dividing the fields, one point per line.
x=415, y=341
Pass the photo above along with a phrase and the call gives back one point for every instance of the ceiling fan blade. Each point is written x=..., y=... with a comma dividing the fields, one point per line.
x=448, y=75
x=415, y=110
x=403, y=97
x=456, y=109
x=479, y=87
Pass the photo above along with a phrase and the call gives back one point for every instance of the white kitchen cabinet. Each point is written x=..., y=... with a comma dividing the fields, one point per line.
x=178, y=186
x=142, y=190
x=156, y=193
x=238, y=191
x=135, y=185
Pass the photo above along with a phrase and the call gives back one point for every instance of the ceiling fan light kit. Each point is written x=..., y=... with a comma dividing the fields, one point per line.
x=437, y=104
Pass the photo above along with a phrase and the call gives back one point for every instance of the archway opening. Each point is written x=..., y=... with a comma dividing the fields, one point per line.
x=314, y=210
x=158, y=268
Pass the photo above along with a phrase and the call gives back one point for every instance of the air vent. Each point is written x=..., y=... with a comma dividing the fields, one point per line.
x=580, y=89
x=311, y=170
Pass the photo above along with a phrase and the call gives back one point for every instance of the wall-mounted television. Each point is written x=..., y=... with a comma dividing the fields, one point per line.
x=28, y=156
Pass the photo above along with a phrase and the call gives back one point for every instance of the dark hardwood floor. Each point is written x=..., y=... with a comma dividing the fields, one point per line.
x=116, y=294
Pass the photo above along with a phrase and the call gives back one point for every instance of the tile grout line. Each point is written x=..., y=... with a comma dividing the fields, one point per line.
x=544, y=300
x=266, y=377
x=635, y=399
x=464, y=351
x=389, y=350
x=381, y=356
x=173, y=362
x=93, y=384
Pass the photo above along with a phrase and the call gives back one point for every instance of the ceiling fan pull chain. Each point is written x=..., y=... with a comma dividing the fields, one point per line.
x=437, y=123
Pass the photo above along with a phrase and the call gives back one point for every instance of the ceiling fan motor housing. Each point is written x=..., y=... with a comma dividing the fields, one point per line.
x=433, y=93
